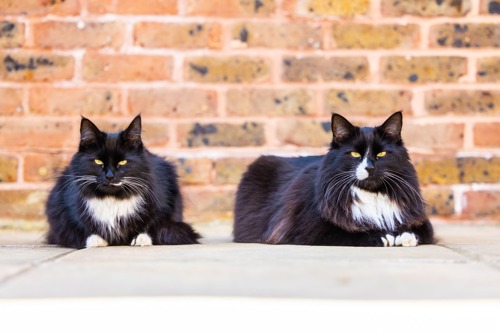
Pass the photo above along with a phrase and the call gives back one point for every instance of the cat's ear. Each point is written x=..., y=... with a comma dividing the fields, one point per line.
x=342, y=129
x=90, y=135
x=132, y=135
x=392, y=126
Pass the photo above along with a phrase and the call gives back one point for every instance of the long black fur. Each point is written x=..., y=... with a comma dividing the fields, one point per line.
x=144, y=174
x=307, y=200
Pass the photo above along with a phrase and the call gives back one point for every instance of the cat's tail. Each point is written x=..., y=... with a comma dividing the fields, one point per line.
x=175, y=233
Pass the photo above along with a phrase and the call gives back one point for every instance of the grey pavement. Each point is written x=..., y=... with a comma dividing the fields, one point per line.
x=463, y=269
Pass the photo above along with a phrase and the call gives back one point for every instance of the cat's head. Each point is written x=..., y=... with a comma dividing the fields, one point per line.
x=110, y=163
x=371, y=157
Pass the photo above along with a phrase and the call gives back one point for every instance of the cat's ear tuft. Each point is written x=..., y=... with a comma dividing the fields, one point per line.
x=342, y=129
x=393, y=125
x=132, y=134
x=90, y=135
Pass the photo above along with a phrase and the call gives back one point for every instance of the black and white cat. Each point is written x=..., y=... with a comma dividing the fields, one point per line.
x=115, y=192
x=363, y=192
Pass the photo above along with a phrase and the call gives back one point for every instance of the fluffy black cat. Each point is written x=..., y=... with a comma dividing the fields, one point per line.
x=115, y=192
x=363, y=192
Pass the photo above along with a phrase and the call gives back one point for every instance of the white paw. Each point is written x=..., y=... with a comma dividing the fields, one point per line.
x=406, y=239
x=142, y=240
x=388, y=240
x=95, y=241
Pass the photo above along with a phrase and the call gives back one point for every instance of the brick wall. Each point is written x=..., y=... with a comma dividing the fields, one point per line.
x=220, y=82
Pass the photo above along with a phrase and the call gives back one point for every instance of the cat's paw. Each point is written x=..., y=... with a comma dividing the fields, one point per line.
x=142, y=240
x=406, y=239
x=388, y=240
x=95, y=241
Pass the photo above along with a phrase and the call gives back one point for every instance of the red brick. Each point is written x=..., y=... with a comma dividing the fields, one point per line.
x=203, y=204
x=488, y=69
x=465, y=35
x=11, y=101
x=23, y=204
x=231, y=8
x=8, y=169
x=180, y=36
x=221, y=135
x=267, y=102
x=380, y=36
x=317, y=69
x=173, y=102
x=305, y=133
x=133, y=7
x=40, y=7
x=39, y=133
x=434, y=136
x=11, y=34
x=126, y=67
x=44, y=167
x=342, y=8
x=367, y=102
x=289, y=35
x=194, y=171
x=70, y=35
x=460, y=102
x=487, y=135
x=36, y=67
x=74, y=101
x=425, y=8
x=482, y=204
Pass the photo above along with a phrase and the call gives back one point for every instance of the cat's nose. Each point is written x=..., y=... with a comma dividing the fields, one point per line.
x=370, y=167
x=110, y=175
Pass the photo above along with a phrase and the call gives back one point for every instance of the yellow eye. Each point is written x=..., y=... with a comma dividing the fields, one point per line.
x=355, y=154
x=122, y=162
x=98, y=162
x=382, y=154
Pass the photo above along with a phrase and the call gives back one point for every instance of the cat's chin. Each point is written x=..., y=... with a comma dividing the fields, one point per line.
x=370, y=185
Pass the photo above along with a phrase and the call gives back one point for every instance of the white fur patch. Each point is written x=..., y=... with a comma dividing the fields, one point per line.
x=109, y=210
x=142, y=240
x=375, y=208
x=406, y=239
x=95, y=241
x=361, y=172
x=388, y=240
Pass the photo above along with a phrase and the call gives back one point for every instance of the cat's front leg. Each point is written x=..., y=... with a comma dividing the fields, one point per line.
x=142, y=239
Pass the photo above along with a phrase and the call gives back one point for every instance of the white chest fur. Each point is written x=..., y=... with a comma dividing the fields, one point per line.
x=109, y=210
x=375, y=208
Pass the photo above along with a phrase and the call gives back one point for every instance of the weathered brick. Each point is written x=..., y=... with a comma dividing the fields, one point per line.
x=73, y=101
x=44, y=167
x=40, y=7
x=194, y=171
x=126, y=67
x=234, y=69
x=229, y=170
x=133, y=7
x=289, y=35
x=479, y=170
x=425, y=7
x=23, y=204
x=462, y=102
x=39, y=133
x=369, y=36
x=434, y=136
x=36, y=67
x=11, y=34
x=203, y=205
x=305, y=133
x=482, y=204
x=8, y=169
x=70, y=35
x=221, y=135
x=173, y=102
x=317, y=69
x=491, y=7
x=487, y=134
x=439, y=201
x=367, y=102
x=437, y=170
x=488, y=69
x=422, y=69
x=182, y=36
x=266, y=102
x=11, y=101
x=465, y=35
x=231, y=8
x=343, y=8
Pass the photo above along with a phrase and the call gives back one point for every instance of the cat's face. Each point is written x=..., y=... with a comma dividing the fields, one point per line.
x=110, y=163
x=369, y=157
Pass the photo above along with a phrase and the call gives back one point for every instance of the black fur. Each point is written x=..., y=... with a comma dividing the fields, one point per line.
x=144, y=174
x=307, y=200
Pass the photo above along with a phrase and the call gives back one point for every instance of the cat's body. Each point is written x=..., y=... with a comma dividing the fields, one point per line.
x=115, y=192
x=348, y=197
